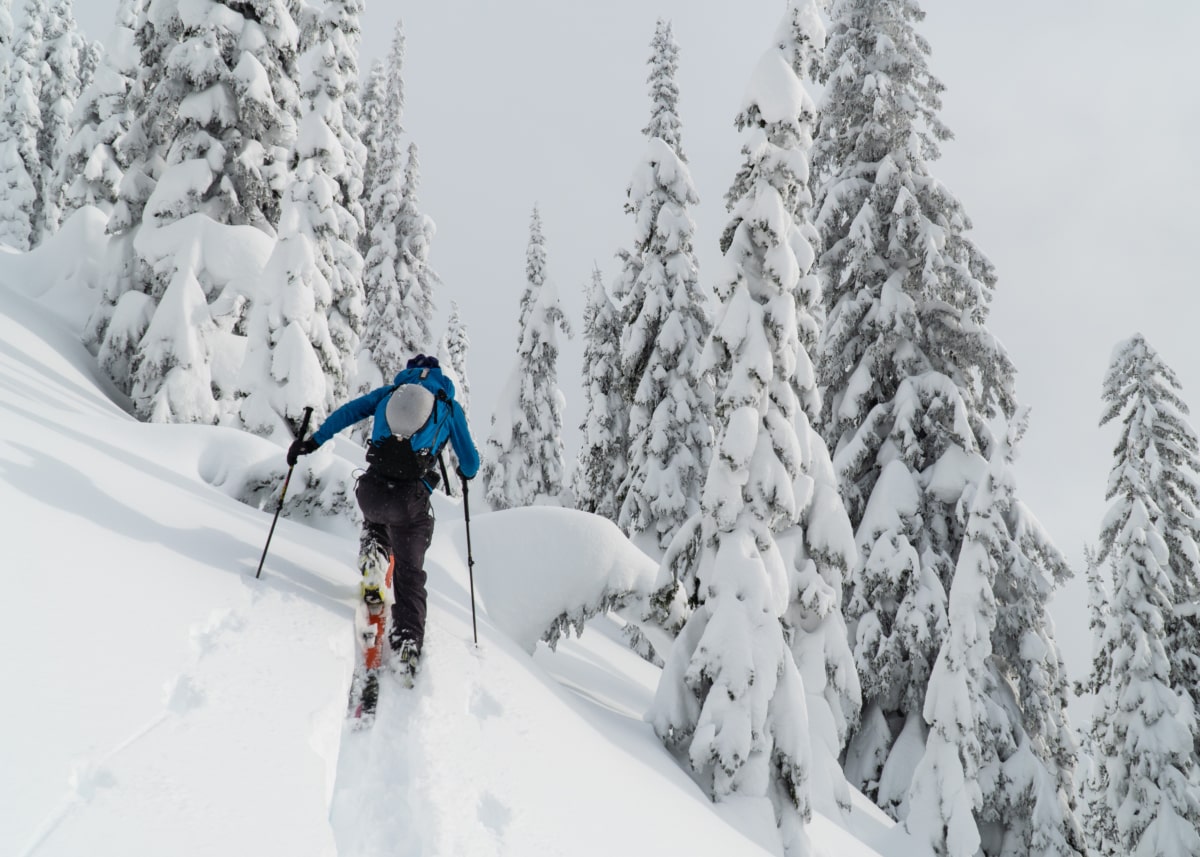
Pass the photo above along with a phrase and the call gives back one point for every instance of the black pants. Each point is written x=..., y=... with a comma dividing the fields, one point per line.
x=398, y=519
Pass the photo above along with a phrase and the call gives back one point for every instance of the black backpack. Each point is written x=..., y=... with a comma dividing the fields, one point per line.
x=397, y=459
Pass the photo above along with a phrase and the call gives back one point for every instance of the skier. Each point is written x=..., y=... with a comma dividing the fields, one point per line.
x=413, y=418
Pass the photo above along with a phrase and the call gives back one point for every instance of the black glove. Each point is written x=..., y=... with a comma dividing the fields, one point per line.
x=464, y=477
x=299, y=448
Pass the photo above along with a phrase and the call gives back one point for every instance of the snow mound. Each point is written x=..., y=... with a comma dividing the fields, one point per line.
x=559, y=568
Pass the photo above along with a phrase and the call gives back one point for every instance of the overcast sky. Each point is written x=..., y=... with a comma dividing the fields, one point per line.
x=1071, y=121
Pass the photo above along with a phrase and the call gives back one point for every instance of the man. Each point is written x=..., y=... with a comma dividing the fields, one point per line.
x=413, y=418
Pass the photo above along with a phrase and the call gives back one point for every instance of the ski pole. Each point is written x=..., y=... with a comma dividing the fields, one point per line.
x=282, y=494
x=470, y=558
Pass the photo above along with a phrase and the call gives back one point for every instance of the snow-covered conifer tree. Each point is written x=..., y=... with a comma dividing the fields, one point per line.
x=523, y=458
x=666, y=321
x=1141, y=792
x=20, y=127
x=289, y=348
x=452, y=352
x=383, y=111
x=136, y=149
x=981, y=784
x=6, y=45
x=221, y=111
x=911, y=378
x=216, y=133
x=384, y=353
x=1099, y=826
x=90, y=58
x=17, y=197
x=1142, y=796
x=170, y=371
x=91, y=169
x=763, y=561
x=897, y=598
x=139, y=163
x=374, y=105
x=1157, y=456
x=385, y=346
x=417, y=277
x=328, y=137
x=63, y=49
x=398, y=276
x=299, y=331
x=602, y=460
x=959, y=751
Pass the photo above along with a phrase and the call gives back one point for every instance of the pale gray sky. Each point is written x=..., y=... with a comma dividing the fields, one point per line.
x=1071, y=122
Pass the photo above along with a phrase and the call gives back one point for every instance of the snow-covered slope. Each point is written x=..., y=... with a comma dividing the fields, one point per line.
x=160, y=700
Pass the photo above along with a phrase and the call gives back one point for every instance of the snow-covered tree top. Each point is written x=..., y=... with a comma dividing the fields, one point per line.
x=664, y=92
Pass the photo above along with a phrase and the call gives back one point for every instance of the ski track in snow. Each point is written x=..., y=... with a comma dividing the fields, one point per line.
x=184, y=694
x=403, y=788
x=88, y=778
x=204, y=696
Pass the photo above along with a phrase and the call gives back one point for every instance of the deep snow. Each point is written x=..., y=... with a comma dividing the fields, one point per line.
x=160, y=700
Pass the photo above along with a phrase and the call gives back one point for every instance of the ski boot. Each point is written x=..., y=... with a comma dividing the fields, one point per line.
x=405, y=659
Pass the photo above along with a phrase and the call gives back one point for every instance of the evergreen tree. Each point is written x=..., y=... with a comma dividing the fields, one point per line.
x=666, y=321
x=221, y=111
x=415, y=231
x=329, y=140
x=17, y=194
x=960, y=751
x=90, y=170
x=17, y=197
x=216, y=134
x=1157, y=461
x=20, y=128
x=384, y=352
x=383, y=128
x=879, y=385
x=122, y=75
x=602, y=461
x=398, y=277
x=523, y=458
x=170, y=373
x=1142, y=797
x=452, y=353
x=374, y=138
x=1099, y=825
x=992, y=779
x=912, y=379
x=63, y=52
x=383, y=109
x=90, y=58
x=763, y=561
x=289, y=348
x=128, y=288
x=399, y=280
x=6, y=46
x=385, y=348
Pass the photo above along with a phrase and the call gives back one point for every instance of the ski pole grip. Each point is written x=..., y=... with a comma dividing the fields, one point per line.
x=304, y=423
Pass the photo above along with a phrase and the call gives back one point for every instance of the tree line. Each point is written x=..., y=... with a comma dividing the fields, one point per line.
x=816, y=440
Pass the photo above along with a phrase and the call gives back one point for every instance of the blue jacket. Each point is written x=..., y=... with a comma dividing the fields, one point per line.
x=431, y=436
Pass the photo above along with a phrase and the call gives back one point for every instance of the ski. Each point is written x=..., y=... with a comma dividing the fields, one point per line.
x=364, y=695
x=371, y=626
